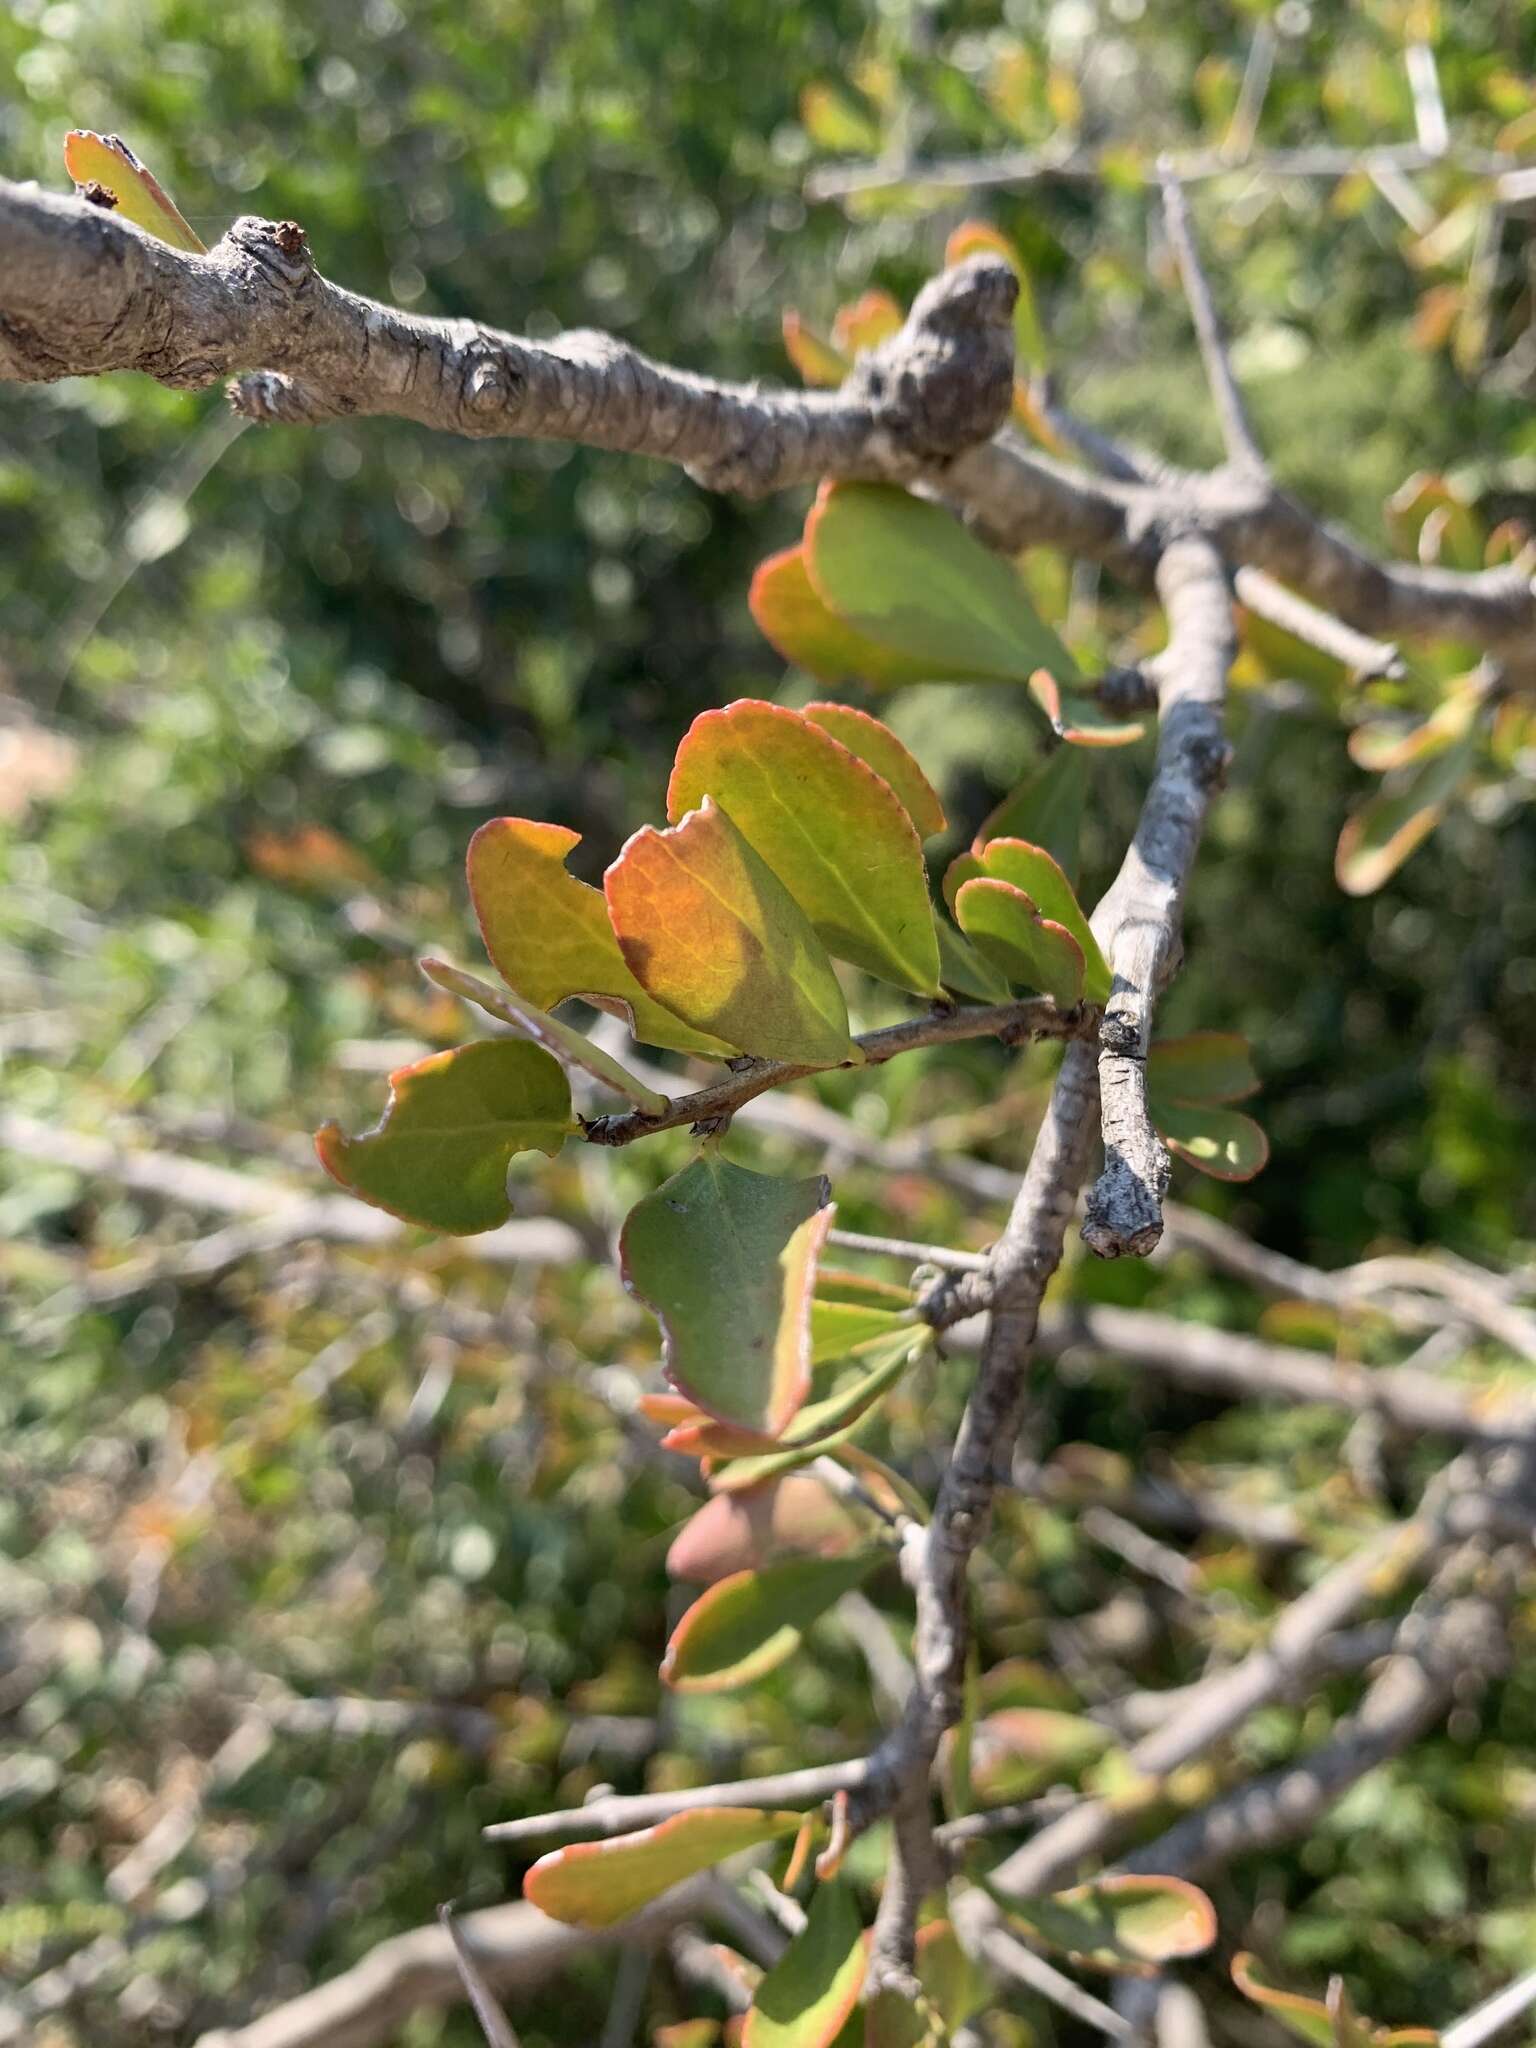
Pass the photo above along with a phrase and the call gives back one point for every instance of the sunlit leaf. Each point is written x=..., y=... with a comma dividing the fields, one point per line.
x=1080, y=719
x=818, y=362
x=796, y=1514
x=832, y=830
x=107, y=161
x=708, y=929
x=596, y=1884
x=1306, y=2017
x=876, y=745
x=1381, y=746
x=812, y=1989
x=907, y=573
x=548, y=934
x=1128, y=1924
x=1429, y=519
x=820, y=1425
x=451, y=1127
x=861, y=1290
x=791, y=616
x=1047, y=809
x=746, y=1625
x=872, y=318
x=1380, y=836
x=834, y=122
x=1033, y=951
x=1204, y=1066
x=726, y=1259
x=1032, y=869
x=1221, y=1142
x=838, y=1327
x=1017, y=1750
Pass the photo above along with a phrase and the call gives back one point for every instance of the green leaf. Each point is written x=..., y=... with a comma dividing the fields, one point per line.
x=571, y=1047
x=812, y=1989
x=838, y=1327
x=746, y=1625
x=832, y=830
x=1018, y=1749
x=451, y=1127
x=1306, y=2017
x=835, y=122
x=1047, y=809
x=708, y=929
x=548, y=935
x=1032, y=951
x=1221, y=1142
x=107, y=160
x=965, y=971
x=1037, y=873
x=1204, y=1066
x=1079, y=718
x=908, y=574
x=878, y=747
x=1128, y=1924
x=1381, y=746
x=1379, y=837
x=726, y=1259
x=956, y=1986
x=791, y=616
x=861, y=1290
x=820, y=1425
x=597, y=1884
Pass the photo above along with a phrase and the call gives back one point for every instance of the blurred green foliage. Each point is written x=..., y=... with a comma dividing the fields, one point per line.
x=233, y=638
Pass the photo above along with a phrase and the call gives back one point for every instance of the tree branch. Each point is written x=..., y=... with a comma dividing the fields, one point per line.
x=618, y=1813
x=1236, y=428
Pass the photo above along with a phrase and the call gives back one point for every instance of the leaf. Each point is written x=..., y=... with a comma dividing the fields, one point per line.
x=1381, y=747
x=107, y=160
x=451, y=1127
x=725, y=1258
x=1129, y=1924
x=1221, y=1142
x=872, y=318
x=980, y=238
x=1204, y=1066
x=708, y=929
x=548, y=934
x=792, y=617
x=1016, y=1750
x=833, y=832
x=746, y=1625
x=1047, y=809
x=967, y=972
x=1381, y=835
x=569, y=1046
x=1032, y=869
x=956, y=1986
x=861, y=1290
x=878, y=747
x=834, y=122
x=1307, y=2017
x=795, y=1514
x=908, y=574
x=597, y=1884
x=818, y=362
x=822, y=1424
x=1079, y=718
x=812, y=1989
x=839, y=1327
x=1033, y=951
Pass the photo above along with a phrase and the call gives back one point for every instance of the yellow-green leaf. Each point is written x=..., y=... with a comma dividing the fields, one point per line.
x=818, y=362
x=1032, y=869
x=1033, y=951
x=1380, y=836
x=812, y=1989
x=597, y=1884
x=791, y=616
x=1129, y=1924
x=1221, y=1142
x=877, y=746
x=746, y=1625
x=106, y=160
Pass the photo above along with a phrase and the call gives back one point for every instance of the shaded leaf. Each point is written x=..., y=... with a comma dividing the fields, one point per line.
x=1380, y=836
x=791, y=616
x=746, y=1625
x=1032, y=951
x=832, y=830
x=1037, y=873
x=812, y=1989
x=596, y=1884
x=1221, y=1142
x=1079, y=718
x=548, y=934
x=796, y=1514
x=725, y=1258
x=1129, y=1924
x=965, y=971
x=1046, y=809
x=108, y=161
x=451, y=1127
x=1204, y=1066
x=708, y=929
x=909, y=574
x=878, y=747
x=571, y=1047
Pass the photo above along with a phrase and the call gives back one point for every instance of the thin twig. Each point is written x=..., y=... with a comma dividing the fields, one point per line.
x=1236, y=427
x=619, y=1814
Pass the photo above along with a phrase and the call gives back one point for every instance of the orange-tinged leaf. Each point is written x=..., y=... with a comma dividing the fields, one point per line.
x=596, y=1884
x=710, y=932
x=1203, y=1066
x=107, y=160
x=1016, y=1750
x=818, y=362
x=878, y=747
x=832, y=830
x=792, y=617
x=1307, y=2017
x=1130, y=1924
x=1221, y=1142
x=1032, y=869
x=809, y=1994
x=872, y=318
x=1379, y=837
x=548, y=934
x=1033, y=951
x=820, y=1425
x=1381, y=746
x=793, y=1515
x=726, y=1259
x=746, y=1625
x=980, y=238
x=1079, y=718
x=669, y=1409
x=451, y=1127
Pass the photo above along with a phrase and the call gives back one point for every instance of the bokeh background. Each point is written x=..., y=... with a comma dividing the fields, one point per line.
x=258, y=687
